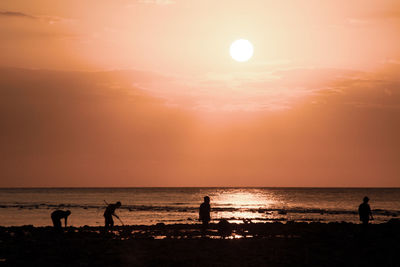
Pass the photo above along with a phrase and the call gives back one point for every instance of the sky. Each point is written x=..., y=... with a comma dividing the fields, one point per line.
x=144, y=93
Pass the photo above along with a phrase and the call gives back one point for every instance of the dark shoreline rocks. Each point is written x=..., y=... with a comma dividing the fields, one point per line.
x=251, y=244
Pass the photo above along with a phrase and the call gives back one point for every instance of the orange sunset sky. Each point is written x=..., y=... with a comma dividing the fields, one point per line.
x=145, y=93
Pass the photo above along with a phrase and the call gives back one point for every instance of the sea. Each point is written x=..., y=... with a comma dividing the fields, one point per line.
x=148, y=206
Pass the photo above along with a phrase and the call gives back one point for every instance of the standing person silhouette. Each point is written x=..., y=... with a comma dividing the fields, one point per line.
x=108, y=213
x=56, y=217
x=364, y=210
x=204, y=213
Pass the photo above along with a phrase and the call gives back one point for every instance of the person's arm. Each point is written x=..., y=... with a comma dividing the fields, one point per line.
x=115, y=215
x=65, y=222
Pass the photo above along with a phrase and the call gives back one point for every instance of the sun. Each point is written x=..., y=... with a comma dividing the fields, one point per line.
x=241, y=50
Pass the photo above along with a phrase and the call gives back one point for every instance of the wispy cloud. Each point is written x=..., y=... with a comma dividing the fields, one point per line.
x=391, y=61
x=21, y=15
x=12, y=14
x=393, y=13
x=278, y=89
x=157, y=2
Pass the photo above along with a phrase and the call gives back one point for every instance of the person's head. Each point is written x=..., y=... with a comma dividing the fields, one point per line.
x=207, y=199
x=68, y=212
x=118, y=204
x=366, y=199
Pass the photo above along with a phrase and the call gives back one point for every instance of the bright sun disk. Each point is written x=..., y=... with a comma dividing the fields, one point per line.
x=241, y=50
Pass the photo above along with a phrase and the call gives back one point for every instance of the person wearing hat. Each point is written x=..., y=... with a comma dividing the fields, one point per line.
x=364, y=210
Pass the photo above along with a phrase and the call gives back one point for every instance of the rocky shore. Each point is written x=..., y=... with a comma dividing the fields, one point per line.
x=249, y=244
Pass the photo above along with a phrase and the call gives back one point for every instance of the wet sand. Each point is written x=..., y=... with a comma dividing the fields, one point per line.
x=270, y=244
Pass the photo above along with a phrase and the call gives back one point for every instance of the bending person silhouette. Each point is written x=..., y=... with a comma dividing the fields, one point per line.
x=204, y=213
x=364, y=210
x=109, y=212
x=56, y=217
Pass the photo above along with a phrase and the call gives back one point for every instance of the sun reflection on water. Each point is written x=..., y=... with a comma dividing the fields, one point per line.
x=245, y=199
x=245, y=202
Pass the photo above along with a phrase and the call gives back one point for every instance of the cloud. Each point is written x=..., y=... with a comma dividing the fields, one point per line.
x=373, y=18
x=391, y=61
x=46, y=19
x=84, y=128
x=383, y=12
x=49, y=113
x=260, y=91
x=16, y=14
x=157, y=2
x=393, y=13
x=358, y=22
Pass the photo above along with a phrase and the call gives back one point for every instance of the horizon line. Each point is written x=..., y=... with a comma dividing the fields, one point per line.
x=145, y=187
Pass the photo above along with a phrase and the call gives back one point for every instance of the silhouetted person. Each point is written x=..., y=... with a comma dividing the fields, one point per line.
x=364, y=210
x=108, y=213
x=204, y=212
x=56, y=217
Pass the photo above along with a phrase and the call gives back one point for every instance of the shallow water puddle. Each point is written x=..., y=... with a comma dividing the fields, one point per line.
x=159, y=237
x=234, y=236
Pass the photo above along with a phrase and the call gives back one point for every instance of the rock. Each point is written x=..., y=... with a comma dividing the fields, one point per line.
x=160, y=225
x=394, y=221
x=224, y=228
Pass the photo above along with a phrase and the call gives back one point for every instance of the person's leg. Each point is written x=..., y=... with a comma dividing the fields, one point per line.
x=365, y=227
x=106, y=223
x=54, y=221
x=57, y=224
x=109, y=222
x=204, y=226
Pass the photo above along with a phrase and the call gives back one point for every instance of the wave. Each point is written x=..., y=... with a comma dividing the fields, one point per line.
x=271, y=211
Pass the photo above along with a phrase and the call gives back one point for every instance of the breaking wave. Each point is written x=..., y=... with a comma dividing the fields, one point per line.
x=280, y=211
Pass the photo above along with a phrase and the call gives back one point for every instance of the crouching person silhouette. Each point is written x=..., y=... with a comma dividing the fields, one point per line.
x=56, y=217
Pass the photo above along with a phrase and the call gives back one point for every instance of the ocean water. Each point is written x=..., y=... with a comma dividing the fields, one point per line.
x=145, y=206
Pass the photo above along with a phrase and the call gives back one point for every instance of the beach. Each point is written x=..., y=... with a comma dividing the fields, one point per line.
x=250, y=244
x=200, y=133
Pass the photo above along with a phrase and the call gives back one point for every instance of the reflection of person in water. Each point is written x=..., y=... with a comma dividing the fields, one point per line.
x=56, y=217
x=109, y=212
x=204, y=212
x=364, y=210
